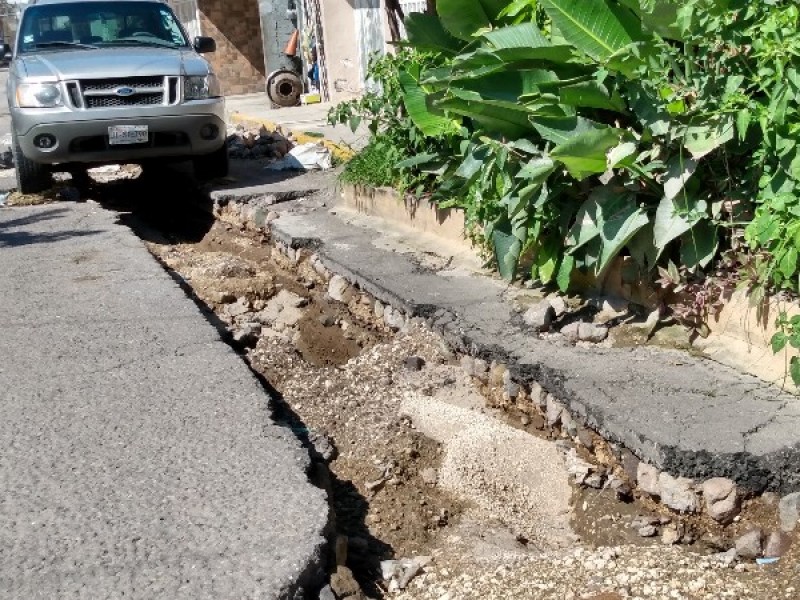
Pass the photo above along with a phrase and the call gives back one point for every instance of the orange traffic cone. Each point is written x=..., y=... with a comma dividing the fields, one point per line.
x=291, y=47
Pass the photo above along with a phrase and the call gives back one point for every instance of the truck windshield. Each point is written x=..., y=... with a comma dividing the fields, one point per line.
x=87, y=25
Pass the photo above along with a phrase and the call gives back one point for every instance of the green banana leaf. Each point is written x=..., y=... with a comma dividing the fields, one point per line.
x=429, y=120
x=585, y=153
x=426, y=32
x=591, y=26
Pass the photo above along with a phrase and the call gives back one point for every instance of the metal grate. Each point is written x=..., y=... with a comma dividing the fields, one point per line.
x=112, y=101
x=109, y=85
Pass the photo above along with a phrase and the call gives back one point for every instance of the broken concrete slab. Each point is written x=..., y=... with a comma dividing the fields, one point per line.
x=685, y=415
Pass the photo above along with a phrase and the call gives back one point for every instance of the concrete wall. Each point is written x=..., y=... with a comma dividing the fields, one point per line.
x=341, y=49
x=277, y=27
x=239, y=59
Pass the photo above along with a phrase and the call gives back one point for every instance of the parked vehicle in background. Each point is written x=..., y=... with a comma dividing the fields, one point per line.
x=111, y=81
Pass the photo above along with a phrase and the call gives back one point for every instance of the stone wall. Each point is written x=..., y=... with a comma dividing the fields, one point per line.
x=239, y=59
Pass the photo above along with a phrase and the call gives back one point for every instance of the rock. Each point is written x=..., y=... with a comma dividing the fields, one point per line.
x=722, y=499
x=595, y=481
x=511, y=390
x=238, y=308
x=571, y=331
x=344, y=585
x=339, y=289
x=647, y=531
x=429, y=476
x=468, y=364
x=524, y=420
x=323, y=445
x=554, y=411
x=647, y=479
x=480, y=368
x=559, y=305
x=578, y=469
x=778, y=544
x=319, y=267
x=289, y=299
x=326, y=320
x=670, y=535
x=497, y=375
x=415, y=363
x=789, y=511
x=678, y=493
x=589, y=332
x=538, y=395
x=726, y=559
x=540, y=317
x=585, y=438
x=630, y=464
x=749, y=545
x=326, y=593
x=395, y=319
x=568, y=424
x=378, y=308
x=621, y=488
x=770, y=499
x=399, y=573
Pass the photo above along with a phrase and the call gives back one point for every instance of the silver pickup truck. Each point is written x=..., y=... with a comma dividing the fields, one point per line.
x=111, y=81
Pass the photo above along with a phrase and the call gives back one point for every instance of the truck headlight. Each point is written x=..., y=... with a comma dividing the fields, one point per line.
x=201, y=88
x=39, y=95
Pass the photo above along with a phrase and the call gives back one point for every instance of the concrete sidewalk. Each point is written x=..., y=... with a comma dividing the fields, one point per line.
x=139, y=458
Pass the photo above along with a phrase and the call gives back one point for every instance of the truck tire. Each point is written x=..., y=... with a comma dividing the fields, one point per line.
x=32, y=177
x=213, y=165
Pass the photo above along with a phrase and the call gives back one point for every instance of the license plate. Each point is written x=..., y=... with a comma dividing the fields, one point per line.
x=128, y=134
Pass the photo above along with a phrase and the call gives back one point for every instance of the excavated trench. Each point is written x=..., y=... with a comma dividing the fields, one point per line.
x=342, y=380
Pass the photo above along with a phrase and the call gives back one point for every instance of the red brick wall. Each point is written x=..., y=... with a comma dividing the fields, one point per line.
x=239, y=59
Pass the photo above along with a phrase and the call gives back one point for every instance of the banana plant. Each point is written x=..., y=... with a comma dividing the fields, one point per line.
x=557, y=113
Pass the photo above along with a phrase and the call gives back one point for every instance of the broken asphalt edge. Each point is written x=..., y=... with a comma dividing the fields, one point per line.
x=340, y=152
x=775, y=466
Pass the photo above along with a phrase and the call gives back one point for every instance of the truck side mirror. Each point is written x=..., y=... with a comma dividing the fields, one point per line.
x=203, y=45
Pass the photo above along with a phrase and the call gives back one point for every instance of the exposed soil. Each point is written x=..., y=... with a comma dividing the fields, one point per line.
x=335, y=374
x=339, y=378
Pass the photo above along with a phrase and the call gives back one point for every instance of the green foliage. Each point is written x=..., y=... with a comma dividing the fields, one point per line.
x=788, y=334
x=574, y=132
x=374, y=165
x=395, y=134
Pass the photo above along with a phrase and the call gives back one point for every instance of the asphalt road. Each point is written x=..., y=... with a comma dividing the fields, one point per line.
x=139, y=455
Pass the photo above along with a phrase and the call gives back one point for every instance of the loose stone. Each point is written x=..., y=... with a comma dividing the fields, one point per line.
x=721, y=498
x=749, y=545
x=789, y=511
x=678, y=493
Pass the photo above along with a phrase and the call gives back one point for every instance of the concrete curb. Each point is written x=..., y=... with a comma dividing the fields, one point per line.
x=684, y=415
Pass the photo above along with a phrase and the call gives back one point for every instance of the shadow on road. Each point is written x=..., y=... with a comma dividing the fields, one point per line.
x=13, y=233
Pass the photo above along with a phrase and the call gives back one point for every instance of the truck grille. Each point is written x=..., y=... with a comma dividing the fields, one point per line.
x=121, y=92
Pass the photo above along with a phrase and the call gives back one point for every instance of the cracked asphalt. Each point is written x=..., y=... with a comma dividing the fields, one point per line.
x=139, y=455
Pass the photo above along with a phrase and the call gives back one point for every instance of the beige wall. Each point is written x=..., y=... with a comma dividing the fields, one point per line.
x=341, y=49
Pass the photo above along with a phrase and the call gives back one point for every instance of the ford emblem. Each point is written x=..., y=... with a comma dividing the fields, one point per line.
x=125, y=91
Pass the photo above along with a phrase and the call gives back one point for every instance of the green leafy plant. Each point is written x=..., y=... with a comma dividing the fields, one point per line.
x=788, y=334
x=575, y=132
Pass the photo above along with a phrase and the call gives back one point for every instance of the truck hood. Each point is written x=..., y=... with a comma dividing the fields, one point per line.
x=111, y=63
